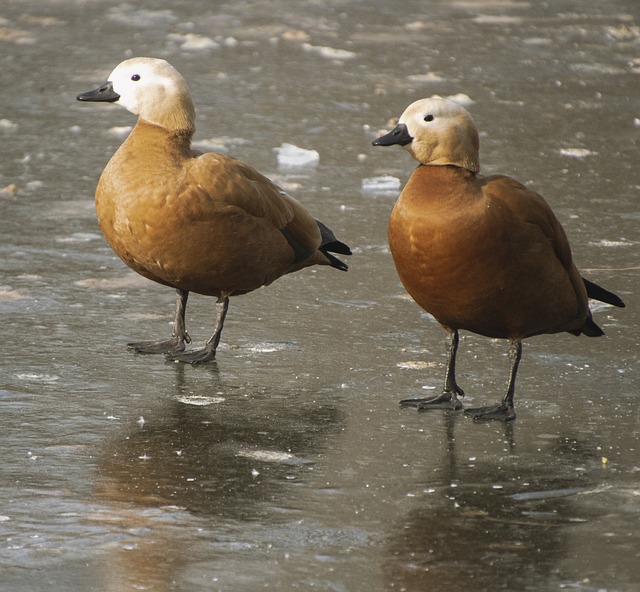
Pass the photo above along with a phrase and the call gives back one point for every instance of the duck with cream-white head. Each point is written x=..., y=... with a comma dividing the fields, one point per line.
x=203, y=223
x=482, y=254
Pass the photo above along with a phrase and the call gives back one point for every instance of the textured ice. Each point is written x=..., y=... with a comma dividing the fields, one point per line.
x=79, y=237
x=211, y=145
x=421, y=78
x=291, y=156
x=126, y=14
x=576, y=152
x=201, y=400
x=381, y=185
x=329, y=52
x=120, y=131
x=37, y=377
x=193, y=42
x=267, y=348
x=497, y=19
x=8, y=293
x=612, y=243
x=461, y=99
x=272, y=456
x=416, y=365
x=8, y=125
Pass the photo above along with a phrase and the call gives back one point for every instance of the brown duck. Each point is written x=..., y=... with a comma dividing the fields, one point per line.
x=483, y=254
x=203, y=223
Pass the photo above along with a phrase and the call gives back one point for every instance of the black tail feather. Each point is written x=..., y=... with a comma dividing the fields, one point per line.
x=335, y=262
x=591, y=329
x=599, y=293
x=331, y=243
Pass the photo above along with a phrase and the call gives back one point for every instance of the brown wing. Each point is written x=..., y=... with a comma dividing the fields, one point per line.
x=236, y=184
x=531, y=209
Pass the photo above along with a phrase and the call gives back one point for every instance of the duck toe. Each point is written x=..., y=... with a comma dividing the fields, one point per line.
x=195, y=357
x=157, y=347
x=447, y=400
x=500, y=412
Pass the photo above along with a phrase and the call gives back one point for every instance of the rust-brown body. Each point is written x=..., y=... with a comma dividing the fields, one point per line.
x=485, y=254
x=202, y=223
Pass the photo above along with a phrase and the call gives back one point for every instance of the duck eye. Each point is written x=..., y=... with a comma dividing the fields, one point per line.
x=135, y=77
x=428, y=117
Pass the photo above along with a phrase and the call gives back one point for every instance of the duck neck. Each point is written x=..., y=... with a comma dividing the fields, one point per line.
x=151, y=139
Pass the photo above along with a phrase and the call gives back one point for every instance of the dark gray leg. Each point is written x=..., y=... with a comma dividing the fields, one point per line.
x=505, y=410
x=208, y=352
x=179, y=335
x=451, y=391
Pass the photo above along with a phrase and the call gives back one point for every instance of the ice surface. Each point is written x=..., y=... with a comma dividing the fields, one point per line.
x=461, y=99
x=291, y=156
x=8, y=125
x=201, y=400
x=120, y=131
x=381, y=185
x=576, y=152
x=329, y=52
x=193, y=42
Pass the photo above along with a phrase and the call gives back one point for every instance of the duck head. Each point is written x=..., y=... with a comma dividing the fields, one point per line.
x=437, y=132
x=150, y=88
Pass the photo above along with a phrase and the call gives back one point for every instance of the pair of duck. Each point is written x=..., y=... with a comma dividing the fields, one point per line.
x=483, y=254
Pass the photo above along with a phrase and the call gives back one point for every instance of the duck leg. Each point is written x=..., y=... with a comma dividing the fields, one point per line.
x=179, y=335
x=208, y=352
x=503, y=411
x=448, y=399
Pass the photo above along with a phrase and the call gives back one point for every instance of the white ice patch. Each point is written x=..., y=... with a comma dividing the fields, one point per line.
x=120, y=131
x=193, y=42
x=201, y=400
x=272, y=456
x=291, y=156
x=383, y=184
x=330, y=53
x=8, y=293
x=416, y=365
x=462, y=99
x=79, y=237
x=212, y=145
x=577, y=152
x=268, y=348
x=8, y=125
x=612, y=243
x=497, y=19
x=36, y=377
x=424, y=78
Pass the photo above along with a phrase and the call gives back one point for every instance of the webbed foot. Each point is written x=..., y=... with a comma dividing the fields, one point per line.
x=195, y=357
x=446, y=400
x=500, y=412
x=167, y=346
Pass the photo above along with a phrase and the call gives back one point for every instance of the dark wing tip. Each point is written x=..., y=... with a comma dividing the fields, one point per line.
x=599, y=293
x=330, y=244
x=334, y=261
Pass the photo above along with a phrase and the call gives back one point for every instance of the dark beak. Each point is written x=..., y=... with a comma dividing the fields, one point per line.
x=398, y=135
x=104, y=94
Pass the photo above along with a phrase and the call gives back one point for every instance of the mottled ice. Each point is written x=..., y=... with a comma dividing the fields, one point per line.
x=381, y=185
x=291, y=156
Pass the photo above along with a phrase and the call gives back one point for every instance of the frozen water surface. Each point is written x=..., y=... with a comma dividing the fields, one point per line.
x=287, y=464
x=290, y=156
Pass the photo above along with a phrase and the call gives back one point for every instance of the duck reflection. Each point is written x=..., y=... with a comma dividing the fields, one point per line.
x=199, y=461
x=487, y=525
